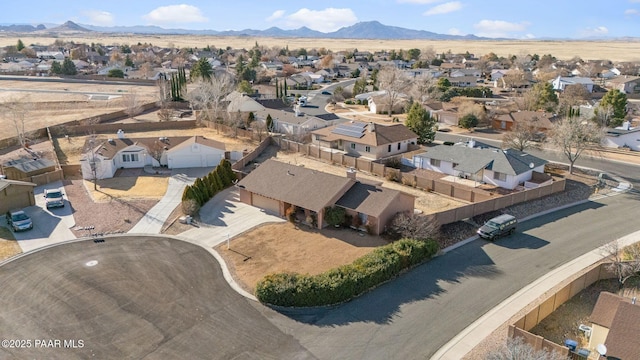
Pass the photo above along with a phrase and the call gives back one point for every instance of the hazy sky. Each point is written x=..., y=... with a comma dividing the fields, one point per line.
x=496, y=18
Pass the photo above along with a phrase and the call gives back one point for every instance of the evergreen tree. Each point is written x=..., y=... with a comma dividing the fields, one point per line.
x=127, y=61
x=277, y=90
x=420, y=122
x=201, y=69
x=56, y=68
x=20, y=45
x=68, y=67
x=269, y=123
x=616, y=102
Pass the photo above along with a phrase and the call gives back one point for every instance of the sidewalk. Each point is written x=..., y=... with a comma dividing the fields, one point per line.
x=474, y=334
x=152, y=221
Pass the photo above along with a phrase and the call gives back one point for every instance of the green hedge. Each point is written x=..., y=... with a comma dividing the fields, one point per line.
x=347, y=281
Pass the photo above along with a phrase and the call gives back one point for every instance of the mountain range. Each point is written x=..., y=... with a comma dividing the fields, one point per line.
x=361, y=30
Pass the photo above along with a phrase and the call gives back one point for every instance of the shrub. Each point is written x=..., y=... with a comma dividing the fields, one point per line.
x=345, y=282
x=290, y=213
x=334, y=215
x=190, y=207
x=395, y=163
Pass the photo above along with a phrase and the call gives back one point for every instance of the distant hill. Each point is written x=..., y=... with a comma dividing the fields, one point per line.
x=361, y=30
x=67, y=27
x=21, y=28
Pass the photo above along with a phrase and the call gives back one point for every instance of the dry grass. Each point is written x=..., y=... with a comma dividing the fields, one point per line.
x=8, y=244
x=129, y=188
x=287, y=248
x=613, y=50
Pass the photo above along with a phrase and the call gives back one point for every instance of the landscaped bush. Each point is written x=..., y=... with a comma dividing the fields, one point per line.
x=345, y=282
x=206, y=187
x=334, y=215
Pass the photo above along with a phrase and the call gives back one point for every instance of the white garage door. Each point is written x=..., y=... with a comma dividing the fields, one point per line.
x=269, y=205
x=187, y=161
x=213, y=160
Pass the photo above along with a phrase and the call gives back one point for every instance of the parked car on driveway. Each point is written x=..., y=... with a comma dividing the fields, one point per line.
x=53, y=198
x=18, y=220
x=326, y=93
x=498, y=226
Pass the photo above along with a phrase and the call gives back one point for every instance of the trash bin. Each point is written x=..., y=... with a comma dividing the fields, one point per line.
x=571, y=344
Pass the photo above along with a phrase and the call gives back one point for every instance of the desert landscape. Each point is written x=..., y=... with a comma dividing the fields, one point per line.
x=613, y=50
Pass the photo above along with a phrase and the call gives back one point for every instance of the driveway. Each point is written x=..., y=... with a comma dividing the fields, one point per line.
x=224, y=217
x=152, y=221
x=132, y=297
x=50, y=226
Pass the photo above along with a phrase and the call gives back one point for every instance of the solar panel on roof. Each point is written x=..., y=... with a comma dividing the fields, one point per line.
x=350, y=129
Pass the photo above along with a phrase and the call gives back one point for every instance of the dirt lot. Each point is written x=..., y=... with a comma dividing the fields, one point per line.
x=50, y=103
x=565, y=50
x=288, y=248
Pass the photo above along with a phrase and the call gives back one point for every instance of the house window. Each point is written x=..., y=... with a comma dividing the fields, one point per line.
x=130, y=158
x=499, y=176
x=389, y=148
x=353, y=146
x=367, y=148
x=398, y=146
x=434, y=162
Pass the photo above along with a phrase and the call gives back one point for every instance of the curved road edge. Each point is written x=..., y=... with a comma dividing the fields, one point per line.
x=474, y=334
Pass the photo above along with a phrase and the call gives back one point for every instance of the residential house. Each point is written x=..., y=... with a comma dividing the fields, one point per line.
x=543, y=121
x=15, y=195
x=276, y=187
x=174, y=153
x=507, y=168
x=465, y=72
x=295, y=122
x=241, y=103
x=561, y=82
x=623, y=136
x=616, y=324
x=626, y=84
x=445, y=112
x=367, y=140
x=50, y=55
x=497, y=74
x=464, y=81
x=24, y=168
x=379, y=104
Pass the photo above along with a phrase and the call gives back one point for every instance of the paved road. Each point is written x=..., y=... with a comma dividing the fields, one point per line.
x=415, y=315
x=132, y=298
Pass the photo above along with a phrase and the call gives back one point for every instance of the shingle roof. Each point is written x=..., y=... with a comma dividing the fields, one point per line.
x=295, y=185
x=605, y=309
x=109, y=149
x=381, y=135
x=368, y=199
x=509, y=161
x=5, y=183
x=543, y=119
x=622, y=340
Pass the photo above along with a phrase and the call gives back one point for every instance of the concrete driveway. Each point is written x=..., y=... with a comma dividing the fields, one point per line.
x=132, y=297
x=50, y=226
x=152, y=221
x=224, y=217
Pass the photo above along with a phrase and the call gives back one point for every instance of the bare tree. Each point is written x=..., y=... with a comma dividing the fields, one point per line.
x=132, y=105
x=395, y=82
x=157, y=150
x=518, y=349
x=209, y=95
x=90, y=156
x=413, y=226
x=625, y=263
x=523, y=135
x=260, y=129
x=573, y=136
x=16, y=110
x=422, y=86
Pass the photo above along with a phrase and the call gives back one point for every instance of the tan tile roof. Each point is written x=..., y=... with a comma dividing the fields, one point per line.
x=5, y=183
x=382, y=135
x=623, y=340
x=295, y=185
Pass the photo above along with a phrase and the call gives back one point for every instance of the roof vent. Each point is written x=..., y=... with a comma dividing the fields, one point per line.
x=110, y=140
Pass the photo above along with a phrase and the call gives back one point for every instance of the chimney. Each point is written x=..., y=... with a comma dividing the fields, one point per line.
x=351, y=173
x=120, y=133
x=297, y=110
x=626, y=125
x=371, y=127
x=471, y=143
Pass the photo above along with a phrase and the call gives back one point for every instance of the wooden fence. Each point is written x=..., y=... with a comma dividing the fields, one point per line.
x=481, y=201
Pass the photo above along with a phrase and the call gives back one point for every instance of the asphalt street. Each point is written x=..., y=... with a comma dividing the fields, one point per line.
x=413, y=316
x=131, y=298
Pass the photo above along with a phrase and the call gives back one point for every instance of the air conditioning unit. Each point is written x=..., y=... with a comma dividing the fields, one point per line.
x=585, y=329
